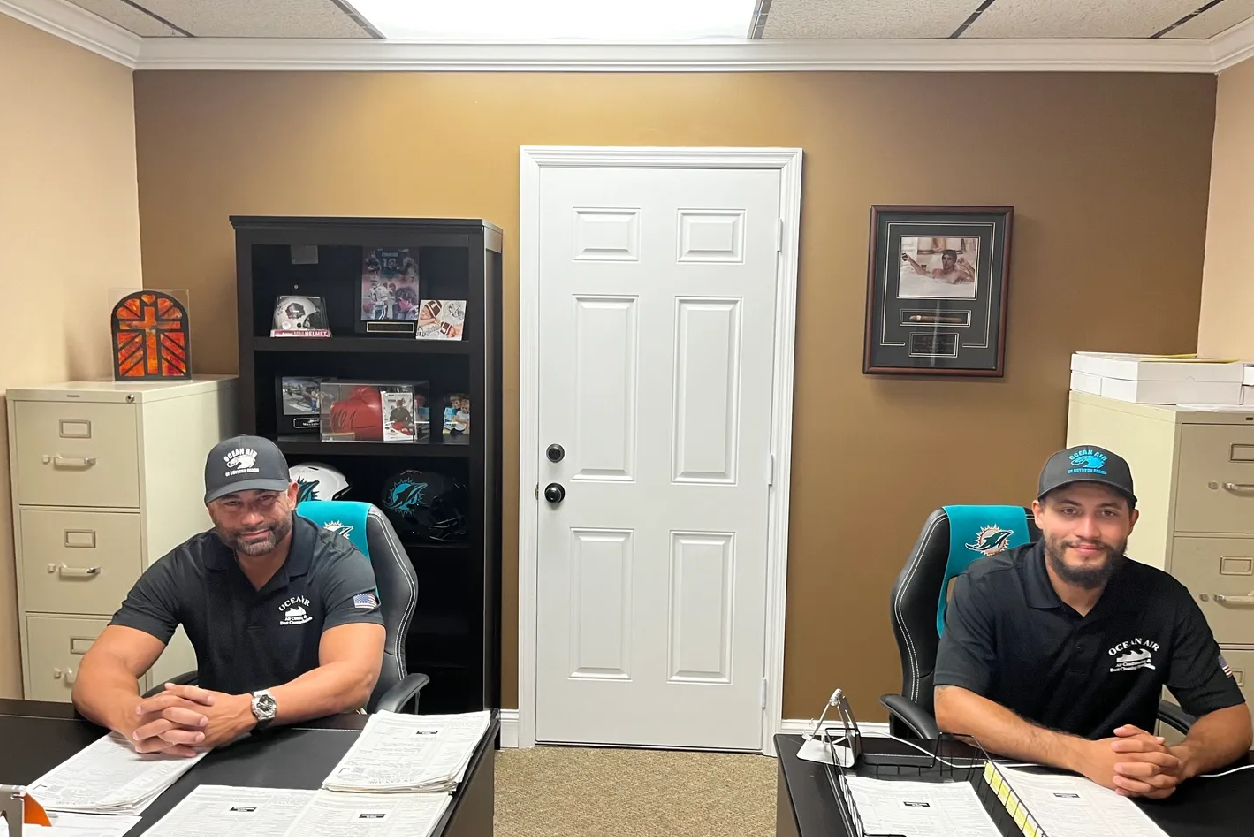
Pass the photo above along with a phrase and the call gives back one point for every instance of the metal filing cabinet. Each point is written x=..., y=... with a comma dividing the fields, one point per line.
x=106, y=478
x=1194, y=474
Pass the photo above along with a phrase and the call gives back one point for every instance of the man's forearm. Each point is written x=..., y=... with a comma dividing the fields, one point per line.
x=1000, y=731
x=327, y=690
x=105, y=692
x=1216, y=740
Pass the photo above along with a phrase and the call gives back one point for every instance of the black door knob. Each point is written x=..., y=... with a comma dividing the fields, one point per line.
x=554, y=493
x=555, y=453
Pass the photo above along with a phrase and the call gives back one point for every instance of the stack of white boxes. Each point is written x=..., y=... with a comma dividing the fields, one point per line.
x=1159, y=379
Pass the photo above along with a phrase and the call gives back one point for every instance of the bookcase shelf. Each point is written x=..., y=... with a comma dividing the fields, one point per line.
x=455, y=634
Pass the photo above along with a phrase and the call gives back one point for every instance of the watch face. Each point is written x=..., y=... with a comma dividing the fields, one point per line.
x=266, y=705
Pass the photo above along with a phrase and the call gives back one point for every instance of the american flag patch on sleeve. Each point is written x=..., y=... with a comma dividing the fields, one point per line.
x=1223, y=664
x=365, y=601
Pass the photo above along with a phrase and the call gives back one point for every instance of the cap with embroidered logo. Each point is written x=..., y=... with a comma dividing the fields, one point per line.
x=1086, y=463
x=244, y=463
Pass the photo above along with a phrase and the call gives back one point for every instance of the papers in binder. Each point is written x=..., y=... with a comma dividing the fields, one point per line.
x=919, y=809
x=399, y=753
x=109, y=777
x=1073, y=806
x=226, y=811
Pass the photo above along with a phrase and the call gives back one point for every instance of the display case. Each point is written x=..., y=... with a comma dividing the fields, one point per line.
x=370, y=277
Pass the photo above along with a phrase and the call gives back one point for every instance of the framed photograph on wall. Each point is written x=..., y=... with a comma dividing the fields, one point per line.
x=936, y=290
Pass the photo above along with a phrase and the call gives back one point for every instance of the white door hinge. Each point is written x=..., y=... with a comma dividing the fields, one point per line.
x=779, y=236
x=762, y=696
x=770, y=471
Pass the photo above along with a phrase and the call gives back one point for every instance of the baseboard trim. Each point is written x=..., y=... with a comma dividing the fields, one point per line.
x=797, y=726
x=509, y=727
x=788, y=726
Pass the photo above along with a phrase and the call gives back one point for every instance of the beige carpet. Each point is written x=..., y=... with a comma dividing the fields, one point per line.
x=575, y=792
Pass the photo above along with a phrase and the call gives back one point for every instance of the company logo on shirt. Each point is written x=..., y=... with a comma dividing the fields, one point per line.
x=241, y=461
x=990, y=540
x=294, y=611
x=1133, y=654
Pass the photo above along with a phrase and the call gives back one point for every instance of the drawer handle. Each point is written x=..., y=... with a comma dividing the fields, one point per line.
x=1234, y=600
x=80, y=463
x=73, y=572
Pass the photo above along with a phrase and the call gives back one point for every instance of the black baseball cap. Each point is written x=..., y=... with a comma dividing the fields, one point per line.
x=242, y=463
x=1086, y=463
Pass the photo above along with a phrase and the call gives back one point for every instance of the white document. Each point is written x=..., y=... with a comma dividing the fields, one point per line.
x=224, y=811
x=1073, y=806
x=370, y=815
x=82, y=825
x=920, y=809
x=407, y=753
x=109, y=777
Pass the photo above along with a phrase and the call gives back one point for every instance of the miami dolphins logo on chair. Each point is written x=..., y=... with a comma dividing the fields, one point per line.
x=990, y=540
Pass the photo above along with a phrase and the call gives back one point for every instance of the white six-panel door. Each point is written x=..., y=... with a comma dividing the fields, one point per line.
x=657, y=290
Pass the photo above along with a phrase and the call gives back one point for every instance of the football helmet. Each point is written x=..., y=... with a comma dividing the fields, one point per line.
x=427, y=505
x=318, y=481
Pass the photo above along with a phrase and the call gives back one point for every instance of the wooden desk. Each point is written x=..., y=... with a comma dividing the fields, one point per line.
x=36, y=736
x=1199, y=808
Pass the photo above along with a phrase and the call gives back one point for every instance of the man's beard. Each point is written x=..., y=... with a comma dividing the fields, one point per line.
x=275, y=532
x=1087, y=578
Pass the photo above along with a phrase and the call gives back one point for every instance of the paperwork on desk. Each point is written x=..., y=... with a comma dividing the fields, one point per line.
x=109, y=777
x=920, y=809
x=1073, y=806
x=408, y=753
x=82, y=825
x=224, y=811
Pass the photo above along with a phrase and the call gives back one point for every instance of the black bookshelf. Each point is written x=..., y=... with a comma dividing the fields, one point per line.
x=455, y=634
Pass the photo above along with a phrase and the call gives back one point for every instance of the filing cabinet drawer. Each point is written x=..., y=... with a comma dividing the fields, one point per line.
x=55, y=646
x=1219, y=572
x=78, y=562
x=1215, y=484
x=71, y=454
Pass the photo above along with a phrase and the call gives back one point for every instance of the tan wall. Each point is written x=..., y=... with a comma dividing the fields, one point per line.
x=1110, y=199
x=69, y=231
x=1226, y=327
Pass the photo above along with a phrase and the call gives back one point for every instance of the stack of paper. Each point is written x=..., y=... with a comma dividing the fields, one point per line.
x=1073, y=806
x=222, y=811
x=400, y=753
x=109, y=777
x=920, y=809
x=82, y=825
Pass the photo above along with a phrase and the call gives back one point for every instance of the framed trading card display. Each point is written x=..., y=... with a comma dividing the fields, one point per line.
x=388, y=295
x=299, y=404
x=936, y=290
x=441, y=319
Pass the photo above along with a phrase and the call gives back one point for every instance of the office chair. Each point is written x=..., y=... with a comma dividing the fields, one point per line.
x=918, y=602
x=372, y=533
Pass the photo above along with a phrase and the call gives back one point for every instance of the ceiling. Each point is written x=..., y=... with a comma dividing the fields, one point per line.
x=775, y=19
x=1180, y=36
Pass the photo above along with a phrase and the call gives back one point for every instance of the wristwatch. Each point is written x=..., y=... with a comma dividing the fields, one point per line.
x=264, y=709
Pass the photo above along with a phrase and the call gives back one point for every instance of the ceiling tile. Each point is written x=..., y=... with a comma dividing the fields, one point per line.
x=1215, y=20
x=254, y=19
x=866, y=18
x=128, y=17
x=1079, y=18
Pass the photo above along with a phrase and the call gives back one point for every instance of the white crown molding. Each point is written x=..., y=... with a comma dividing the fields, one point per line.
x=1233, y=46
x=81, y=28
x=1063, y=55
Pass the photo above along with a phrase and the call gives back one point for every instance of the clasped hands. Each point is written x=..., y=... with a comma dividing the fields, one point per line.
x=185, y=720
x=1136, y=763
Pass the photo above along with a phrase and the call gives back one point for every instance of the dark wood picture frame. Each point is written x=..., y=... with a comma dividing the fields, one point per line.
x=952, y=321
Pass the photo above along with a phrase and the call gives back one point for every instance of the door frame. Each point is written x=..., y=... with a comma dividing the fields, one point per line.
x=532, y=159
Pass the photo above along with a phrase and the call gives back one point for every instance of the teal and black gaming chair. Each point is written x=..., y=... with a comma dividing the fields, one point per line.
x=396, y=583
x=952, y=537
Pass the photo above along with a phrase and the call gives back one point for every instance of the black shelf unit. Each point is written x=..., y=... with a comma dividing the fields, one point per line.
x=454, y=637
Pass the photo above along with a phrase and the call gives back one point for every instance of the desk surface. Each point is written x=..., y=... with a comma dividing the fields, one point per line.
x=1198, y=808
x=45, y=734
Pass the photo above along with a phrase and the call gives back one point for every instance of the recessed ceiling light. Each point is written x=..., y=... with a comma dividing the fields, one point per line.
x=546, y=20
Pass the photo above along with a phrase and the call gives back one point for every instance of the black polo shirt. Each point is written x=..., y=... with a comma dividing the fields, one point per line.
x=248, y=639
x=1009, y=638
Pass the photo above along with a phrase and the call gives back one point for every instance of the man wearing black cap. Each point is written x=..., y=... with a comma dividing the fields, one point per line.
x=283, y=616
x=1057, y=652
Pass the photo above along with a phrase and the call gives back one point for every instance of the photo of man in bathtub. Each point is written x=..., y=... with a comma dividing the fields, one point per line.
x=938, y=268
